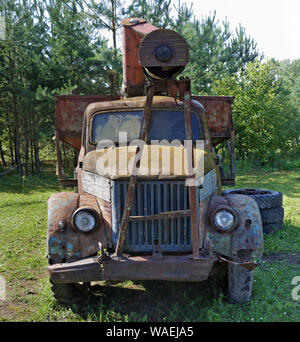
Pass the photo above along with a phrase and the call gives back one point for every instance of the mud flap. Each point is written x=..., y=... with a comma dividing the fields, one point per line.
x=240, y=280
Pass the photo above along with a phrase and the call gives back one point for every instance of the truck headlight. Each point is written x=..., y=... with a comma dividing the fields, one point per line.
x=224, y=219
x=85, y=219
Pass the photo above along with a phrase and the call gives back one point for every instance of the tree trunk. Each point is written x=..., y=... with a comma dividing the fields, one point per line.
x=26, y=146
x=26, y=157
x=17, y=140
x=15, y=117
x=31, y=142
x=11, y=147
x=36, y=157
x=2, y=155
x=35, y=145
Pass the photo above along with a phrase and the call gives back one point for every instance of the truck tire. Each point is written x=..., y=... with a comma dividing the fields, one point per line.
x=271, y=227
x=272, y=215
x=265, y=199
x=239, y=284
x=69, y=294
x=269, y=203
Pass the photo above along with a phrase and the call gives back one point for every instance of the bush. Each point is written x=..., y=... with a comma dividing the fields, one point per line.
x=267, y=124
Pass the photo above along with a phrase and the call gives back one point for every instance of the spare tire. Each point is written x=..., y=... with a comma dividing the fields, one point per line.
x=272, y=215
x=269, y=203
x=265, y=199
x=271, y=227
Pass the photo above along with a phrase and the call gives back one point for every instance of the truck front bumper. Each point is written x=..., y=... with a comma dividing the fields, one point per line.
x=170, y=268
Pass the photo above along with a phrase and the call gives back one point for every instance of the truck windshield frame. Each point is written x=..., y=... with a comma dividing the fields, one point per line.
x=165, y=124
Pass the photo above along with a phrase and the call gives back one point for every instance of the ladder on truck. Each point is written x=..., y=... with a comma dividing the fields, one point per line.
x=184, y=89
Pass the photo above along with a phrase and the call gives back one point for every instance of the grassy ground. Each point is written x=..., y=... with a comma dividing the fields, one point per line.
x=23, y=221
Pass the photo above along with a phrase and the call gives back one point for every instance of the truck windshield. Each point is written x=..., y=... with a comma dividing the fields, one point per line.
x=164, y=124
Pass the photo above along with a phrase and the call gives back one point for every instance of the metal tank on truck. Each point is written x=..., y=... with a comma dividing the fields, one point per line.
x=149, y=202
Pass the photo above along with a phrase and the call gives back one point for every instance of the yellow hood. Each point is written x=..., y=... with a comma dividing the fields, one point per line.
x=155, y=161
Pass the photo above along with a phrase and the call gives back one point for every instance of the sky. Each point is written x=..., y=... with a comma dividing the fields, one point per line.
x=273, y=24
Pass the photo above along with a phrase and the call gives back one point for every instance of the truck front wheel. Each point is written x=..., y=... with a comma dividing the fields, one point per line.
x=69, y=294
x=239, y=284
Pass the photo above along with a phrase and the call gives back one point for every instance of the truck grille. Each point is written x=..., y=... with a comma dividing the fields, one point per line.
x=153, y=197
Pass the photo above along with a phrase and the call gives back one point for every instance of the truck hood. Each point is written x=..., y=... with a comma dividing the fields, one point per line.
x=155, y=161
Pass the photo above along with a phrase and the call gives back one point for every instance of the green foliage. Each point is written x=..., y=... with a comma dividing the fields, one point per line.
x=266, y=122
x=51, y=48
x=107, y=15
x=289, y=72
x=215, y=51
x=156, y=12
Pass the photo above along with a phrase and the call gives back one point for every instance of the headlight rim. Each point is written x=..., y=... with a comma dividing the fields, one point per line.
x=226, y=208
x=90, y=211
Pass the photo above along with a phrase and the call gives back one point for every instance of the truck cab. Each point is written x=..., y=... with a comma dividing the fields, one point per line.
x=140, y=212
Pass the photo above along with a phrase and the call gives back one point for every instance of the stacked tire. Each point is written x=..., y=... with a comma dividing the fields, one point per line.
x=269, y=203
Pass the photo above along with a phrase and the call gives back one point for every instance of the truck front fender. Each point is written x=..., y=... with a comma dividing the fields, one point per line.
x=65, y=243
x=245, y=242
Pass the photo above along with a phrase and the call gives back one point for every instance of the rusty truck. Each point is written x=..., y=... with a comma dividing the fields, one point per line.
x=138, y=225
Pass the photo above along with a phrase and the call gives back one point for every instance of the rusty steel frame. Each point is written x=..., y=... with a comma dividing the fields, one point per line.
x=219, y=115
x=133, y=179
x=69, y=115
x=58, y=154
x=170, y=268
x=192, y=189
x=184, y=89
x=68, y=182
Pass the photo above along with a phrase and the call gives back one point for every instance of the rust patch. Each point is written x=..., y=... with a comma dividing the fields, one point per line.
x=69, y=115
x=171, y=268
x=65, y=242
x=219, y=115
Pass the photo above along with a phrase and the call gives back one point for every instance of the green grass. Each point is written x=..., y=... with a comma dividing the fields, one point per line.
x=23, y=222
